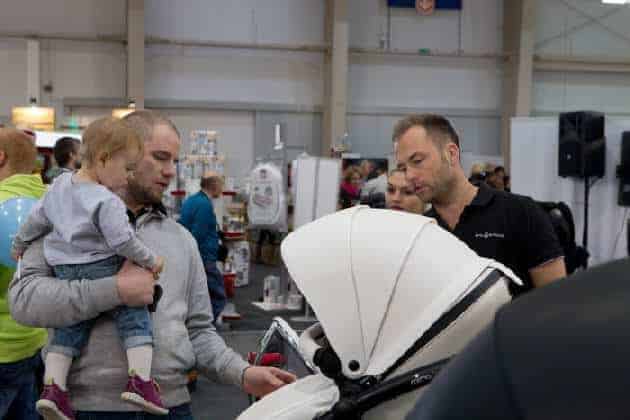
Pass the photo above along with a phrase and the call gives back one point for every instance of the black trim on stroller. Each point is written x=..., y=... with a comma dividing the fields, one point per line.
x=447, y=319
x=351, y=408
x=361, y=395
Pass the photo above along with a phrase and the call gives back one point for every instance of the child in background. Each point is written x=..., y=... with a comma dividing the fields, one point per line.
x=89, y=237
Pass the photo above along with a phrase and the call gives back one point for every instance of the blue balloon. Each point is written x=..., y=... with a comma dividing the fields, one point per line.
x=13, y=212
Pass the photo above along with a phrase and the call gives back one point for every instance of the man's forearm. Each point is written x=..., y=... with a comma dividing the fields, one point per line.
x=38, y=299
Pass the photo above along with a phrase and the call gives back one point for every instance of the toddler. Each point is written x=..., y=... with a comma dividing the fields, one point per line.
x=89, y=237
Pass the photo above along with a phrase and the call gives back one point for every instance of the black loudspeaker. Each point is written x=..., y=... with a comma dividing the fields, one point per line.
x=581, y=145
x=623, y=171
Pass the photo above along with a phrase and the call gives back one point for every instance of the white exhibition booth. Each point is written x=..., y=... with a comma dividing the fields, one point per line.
x=534, y=173
x=49, y=138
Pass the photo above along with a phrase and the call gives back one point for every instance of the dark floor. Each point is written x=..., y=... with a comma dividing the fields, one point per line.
x=211, y=401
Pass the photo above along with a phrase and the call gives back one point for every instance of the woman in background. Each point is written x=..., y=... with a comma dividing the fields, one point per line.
x=400, y=194
x=349, y=193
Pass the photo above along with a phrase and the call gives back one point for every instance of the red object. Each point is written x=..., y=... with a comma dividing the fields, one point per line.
x=232, y=193
x=54, y=402
x=145, y=394
x=178, y=193
x=228, y=283
x=233, y=234
x=267, y=359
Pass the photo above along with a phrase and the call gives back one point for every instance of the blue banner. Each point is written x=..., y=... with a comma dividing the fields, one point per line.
x=439, y=4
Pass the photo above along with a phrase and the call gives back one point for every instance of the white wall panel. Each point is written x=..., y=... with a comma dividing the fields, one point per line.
x=565, y=29
x=83, y=17
x=269, y=21
x=86, y=70
x=13, y=71
x=556, y=92
x=427, y=82
x=582, y=28
x=234, y=75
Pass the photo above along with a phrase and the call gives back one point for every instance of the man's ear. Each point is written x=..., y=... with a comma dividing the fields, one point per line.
x=453, y=154
x=3, y=158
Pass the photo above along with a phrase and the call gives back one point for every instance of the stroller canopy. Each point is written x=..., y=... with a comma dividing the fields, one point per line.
x=378, y=279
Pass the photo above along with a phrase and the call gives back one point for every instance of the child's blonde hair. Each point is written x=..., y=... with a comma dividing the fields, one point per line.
x=105, y=137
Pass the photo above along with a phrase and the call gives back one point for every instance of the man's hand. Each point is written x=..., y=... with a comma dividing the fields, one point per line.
x=159, y=267
x=261, y=380
x=135, y=285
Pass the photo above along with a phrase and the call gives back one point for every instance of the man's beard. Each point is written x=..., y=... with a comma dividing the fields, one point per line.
x=141, y=195
x=443, y=184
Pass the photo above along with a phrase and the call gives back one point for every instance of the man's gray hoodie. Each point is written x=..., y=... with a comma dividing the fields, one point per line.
x=184, y=336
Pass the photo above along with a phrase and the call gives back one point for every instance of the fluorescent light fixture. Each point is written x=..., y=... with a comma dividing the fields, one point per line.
x=614, y=1
x=33, y=117
x=123, y=112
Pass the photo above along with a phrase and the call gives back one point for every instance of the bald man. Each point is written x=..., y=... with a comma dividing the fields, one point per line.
x=199, y=218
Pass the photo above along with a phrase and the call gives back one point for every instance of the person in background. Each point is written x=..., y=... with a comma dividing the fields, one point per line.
x=19, y=345
x=66, y=153
x=496, y=178
x=509, y=228
x=184, y=336
x=377, y=185
x=477, y=174
x=366, y=169
x=199, y=218
x=349, y=193
x=401, y=195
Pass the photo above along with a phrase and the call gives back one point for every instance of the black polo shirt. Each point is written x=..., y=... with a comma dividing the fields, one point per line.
x=509, y=228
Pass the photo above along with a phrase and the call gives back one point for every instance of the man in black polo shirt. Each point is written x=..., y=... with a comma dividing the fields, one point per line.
x=509, y=228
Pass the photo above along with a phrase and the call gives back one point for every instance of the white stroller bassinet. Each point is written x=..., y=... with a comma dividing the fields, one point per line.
x=396, y=297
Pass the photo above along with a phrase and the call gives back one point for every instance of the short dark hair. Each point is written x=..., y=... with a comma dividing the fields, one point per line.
x=437, y=127
x=64, y=147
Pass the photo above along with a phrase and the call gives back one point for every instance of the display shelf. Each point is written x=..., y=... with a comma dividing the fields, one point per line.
x=233, y=236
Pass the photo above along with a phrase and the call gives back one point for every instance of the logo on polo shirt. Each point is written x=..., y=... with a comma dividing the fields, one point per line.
x=488, y=235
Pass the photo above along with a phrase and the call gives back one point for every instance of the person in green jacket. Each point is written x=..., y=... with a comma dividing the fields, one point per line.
x=19, y=345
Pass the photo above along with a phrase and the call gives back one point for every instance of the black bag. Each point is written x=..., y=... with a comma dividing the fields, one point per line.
x=561, y=218
x=222, y=252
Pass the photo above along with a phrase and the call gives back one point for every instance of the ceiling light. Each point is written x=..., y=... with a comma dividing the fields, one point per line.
x=33, y=117
x=123, y=112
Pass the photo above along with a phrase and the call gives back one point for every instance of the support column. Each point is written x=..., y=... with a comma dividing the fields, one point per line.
x=336, y=74
x=135, y=52
x=518, y=39
x=32, y=72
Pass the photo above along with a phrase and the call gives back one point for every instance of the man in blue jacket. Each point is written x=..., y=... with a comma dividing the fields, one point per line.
x=199, y=218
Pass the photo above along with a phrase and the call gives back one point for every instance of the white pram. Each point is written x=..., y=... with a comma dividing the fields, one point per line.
x=396, y=297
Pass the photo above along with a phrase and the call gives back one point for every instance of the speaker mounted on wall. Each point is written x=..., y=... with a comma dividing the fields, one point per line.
x=581, y=145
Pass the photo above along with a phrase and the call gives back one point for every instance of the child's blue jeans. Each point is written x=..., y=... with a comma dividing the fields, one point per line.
x=134, y=324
